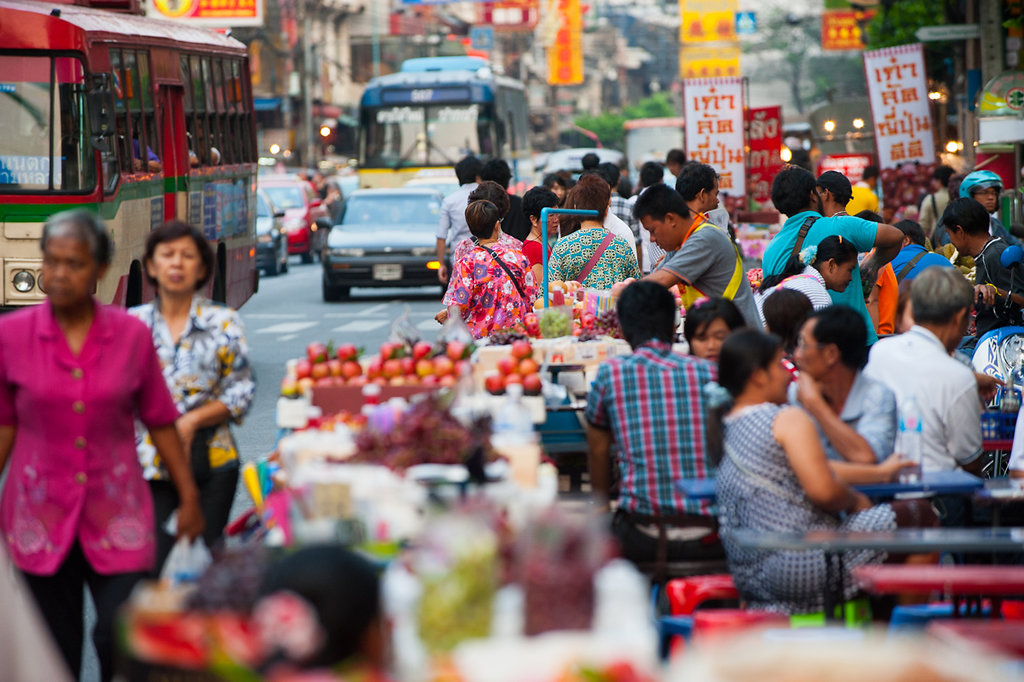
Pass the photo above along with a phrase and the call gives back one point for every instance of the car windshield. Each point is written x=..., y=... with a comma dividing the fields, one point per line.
x=286, y=196
x=262, y=209
x=392, y=212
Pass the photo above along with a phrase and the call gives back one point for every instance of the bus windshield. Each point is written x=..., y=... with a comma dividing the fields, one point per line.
x=432, y=135
x=44, y=148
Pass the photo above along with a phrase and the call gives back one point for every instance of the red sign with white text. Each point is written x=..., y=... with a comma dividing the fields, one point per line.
x=764, y=142
x=850, y=165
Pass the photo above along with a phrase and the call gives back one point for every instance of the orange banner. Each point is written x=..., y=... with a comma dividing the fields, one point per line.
x=841, y=29
x=217, y=13
x=707, y=21
x=565, y=55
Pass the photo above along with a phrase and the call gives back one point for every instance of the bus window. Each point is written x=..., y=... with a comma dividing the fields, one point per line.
x=392, y=137
x=213, y=133
x=44, y=150
x=149, y=122
x=248, y=135
x=143, y=143
x=450, y=130
x=124, y=134
x=200, y=143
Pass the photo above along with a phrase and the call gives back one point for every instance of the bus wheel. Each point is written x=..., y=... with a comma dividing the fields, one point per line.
x=133, y=292
x=220, y=288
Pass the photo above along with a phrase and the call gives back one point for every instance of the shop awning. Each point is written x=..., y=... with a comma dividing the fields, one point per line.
x=266, y=103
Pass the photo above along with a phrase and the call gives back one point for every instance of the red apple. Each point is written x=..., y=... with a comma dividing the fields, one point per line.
x=408, y=366
x=316, y=352
x=421, y=350
x=351, y=369
x=320, y=370
x=456, y=350
x=430, y=379
x=461, y=367
x=412, y=380
x=522, y=349
x=495, y=384
x=398, y=380
x=347, y=351
x=391, y=368
x=334, y=367
x=324, y=382
x=447, y=381
x=303, y=369
x=443, y=366
x=513, y=378
x=424, y=367
x=380, y=381
x=373, y=370
x=507, y=365
x=305, y=384
x=391, y=349
x=359, y=380
x=528, y=366
x=532, y=384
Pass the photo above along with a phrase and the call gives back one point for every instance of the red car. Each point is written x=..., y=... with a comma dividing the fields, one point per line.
x=305, y=219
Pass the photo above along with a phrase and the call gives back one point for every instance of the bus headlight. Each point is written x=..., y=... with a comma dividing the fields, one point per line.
x=24, y=281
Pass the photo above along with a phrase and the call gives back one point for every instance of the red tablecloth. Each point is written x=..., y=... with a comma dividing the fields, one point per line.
x=988, y=581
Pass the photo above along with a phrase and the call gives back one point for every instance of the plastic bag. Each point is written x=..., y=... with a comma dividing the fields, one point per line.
x=403, y=330
x=454, y=329
x=186, y=562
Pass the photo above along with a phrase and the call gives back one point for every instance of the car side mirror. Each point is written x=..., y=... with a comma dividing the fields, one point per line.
x=279, y=214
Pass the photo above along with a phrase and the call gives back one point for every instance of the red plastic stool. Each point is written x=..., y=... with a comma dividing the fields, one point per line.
x=718, y=622
x=686, y=594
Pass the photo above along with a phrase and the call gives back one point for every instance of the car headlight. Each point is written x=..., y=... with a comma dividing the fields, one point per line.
x=423, y=251
x=23, y=281
x=295, y=224
x=346, y=253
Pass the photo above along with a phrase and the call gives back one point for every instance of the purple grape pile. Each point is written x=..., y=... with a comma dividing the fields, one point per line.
x=504, y=337
x=233, y=580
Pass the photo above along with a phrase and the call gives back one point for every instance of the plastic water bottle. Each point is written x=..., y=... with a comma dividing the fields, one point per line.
x=910, y=445
x=512, y=435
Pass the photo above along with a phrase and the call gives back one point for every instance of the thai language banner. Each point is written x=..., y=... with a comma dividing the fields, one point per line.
x=764, y=137
x=721, y=61
x=899, y=104
x=707, y=21
x=565, y=54
x=215, y=13
x=713, y=108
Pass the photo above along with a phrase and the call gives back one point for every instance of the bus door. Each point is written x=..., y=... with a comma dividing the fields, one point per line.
x=175, y=153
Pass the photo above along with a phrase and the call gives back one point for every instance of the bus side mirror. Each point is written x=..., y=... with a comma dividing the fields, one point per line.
x=101, y=114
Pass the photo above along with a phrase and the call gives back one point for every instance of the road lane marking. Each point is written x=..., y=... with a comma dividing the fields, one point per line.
x=273, y=316
x=286, y=328
x=361, y=326
x=287, y=337
x=380, y=307
x=429, y=325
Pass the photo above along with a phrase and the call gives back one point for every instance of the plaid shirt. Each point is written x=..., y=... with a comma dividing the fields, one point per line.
x=653, y=403
x=621, y=207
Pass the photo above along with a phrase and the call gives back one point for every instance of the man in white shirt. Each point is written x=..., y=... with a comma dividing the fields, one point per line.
x=917, y=364
x=452, y=227
x=612, y=222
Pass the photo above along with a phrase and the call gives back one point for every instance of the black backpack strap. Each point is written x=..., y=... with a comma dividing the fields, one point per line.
x=905, y=270
x=804, y=229
x=507, y=270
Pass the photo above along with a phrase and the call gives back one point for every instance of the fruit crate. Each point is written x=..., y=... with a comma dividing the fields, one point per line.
x=998, y=425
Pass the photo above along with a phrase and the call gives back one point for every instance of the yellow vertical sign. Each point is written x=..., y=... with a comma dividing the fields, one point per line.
x=565, y=53
x=709, y=62
x=707, y=21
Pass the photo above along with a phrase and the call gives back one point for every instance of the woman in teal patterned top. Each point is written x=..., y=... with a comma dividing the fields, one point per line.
x=572, y=253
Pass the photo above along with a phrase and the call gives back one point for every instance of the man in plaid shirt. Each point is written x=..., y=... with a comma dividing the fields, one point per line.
x=652, y=405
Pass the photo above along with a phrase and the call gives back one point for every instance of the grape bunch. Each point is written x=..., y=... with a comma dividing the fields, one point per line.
x=504, y=337
x=555, y=323
x=607, y=324
x=232, y=581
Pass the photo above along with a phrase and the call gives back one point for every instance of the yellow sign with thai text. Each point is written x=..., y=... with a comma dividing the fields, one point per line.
x=709, y=62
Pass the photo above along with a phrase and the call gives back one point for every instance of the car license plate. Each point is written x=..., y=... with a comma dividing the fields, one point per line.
x=387, y=273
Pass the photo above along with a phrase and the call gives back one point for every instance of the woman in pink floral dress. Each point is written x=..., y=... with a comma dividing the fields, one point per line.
x=491, y=286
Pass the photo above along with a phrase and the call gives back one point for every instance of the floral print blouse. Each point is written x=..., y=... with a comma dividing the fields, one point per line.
x=209, y=362
x=482, y=290
x=571, y=254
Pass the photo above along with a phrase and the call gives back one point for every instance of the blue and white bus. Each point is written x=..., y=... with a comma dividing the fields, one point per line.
x=437, y=110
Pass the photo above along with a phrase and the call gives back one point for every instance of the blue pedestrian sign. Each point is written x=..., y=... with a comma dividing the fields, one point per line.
x=482, y=37
x=746, y=23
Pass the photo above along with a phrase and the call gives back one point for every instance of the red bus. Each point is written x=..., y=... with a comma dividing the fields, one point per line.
x=136, y=119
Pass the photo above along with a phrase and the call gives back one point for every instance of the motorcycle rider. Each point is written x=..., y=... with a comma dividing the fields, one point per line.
x=984, y=187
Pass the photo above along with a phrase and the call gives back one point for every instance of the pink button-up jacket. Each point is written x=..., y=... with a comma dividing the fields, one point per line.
x=73, y=471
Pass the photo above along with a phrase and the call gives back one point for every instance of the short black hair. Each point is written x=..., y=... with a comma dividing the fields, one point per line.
x=675, y=156
x=966, y=212
x=489, y=190
x=912, y=230
x=552, y=179
x=497, y=171
x=868, y=214
x=468, y=169
x=173, y=230
x=659, y=200
x=943, y=173
x=610, y=172
x=625, y=187
x=647, y=312
x=651, y=173
x=537, y=198
x=784, y=313
x=590, y=161
x=699, y=316
x=83, y=225
x=695, y=177
x=743, y=353
x=791, y=190
x=481, y=217
x=845, y=327
x=870, y=171
x=341, y=586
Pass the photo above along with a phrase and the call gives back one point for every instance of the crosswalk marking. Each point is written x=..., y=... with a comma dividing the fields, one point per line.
x=273, y=316
x=361, y=326
x=429, y=325
x=286, y=328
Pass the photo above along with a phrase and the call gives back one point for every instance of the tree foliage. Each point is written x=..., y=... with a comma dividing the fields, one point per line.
x=897, y=22
x=608, y=126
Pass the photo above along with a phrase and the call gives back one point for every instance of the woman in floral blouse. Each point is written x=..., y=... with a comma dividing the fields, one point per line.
x=204, y=355
x=592, y=255
x=491, y=286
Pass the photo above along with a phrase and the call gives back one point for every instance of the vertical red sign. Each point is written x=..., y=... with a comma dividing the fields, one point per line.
x=764, y=142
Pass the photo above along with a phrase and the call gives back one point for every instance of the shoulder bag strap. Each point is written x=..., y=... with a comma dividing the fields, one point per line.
x=804, y=229
x=605, y=243
x=508, y=271
x=905, y=270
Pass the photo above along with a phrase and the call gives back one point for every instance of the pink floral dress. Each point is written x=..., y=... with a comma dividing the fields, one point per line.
x=485, y=294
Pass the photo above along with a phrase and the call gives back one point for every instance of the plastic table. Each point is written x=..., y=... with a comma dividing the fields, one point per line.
x=955, y=482
x=959, y=584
